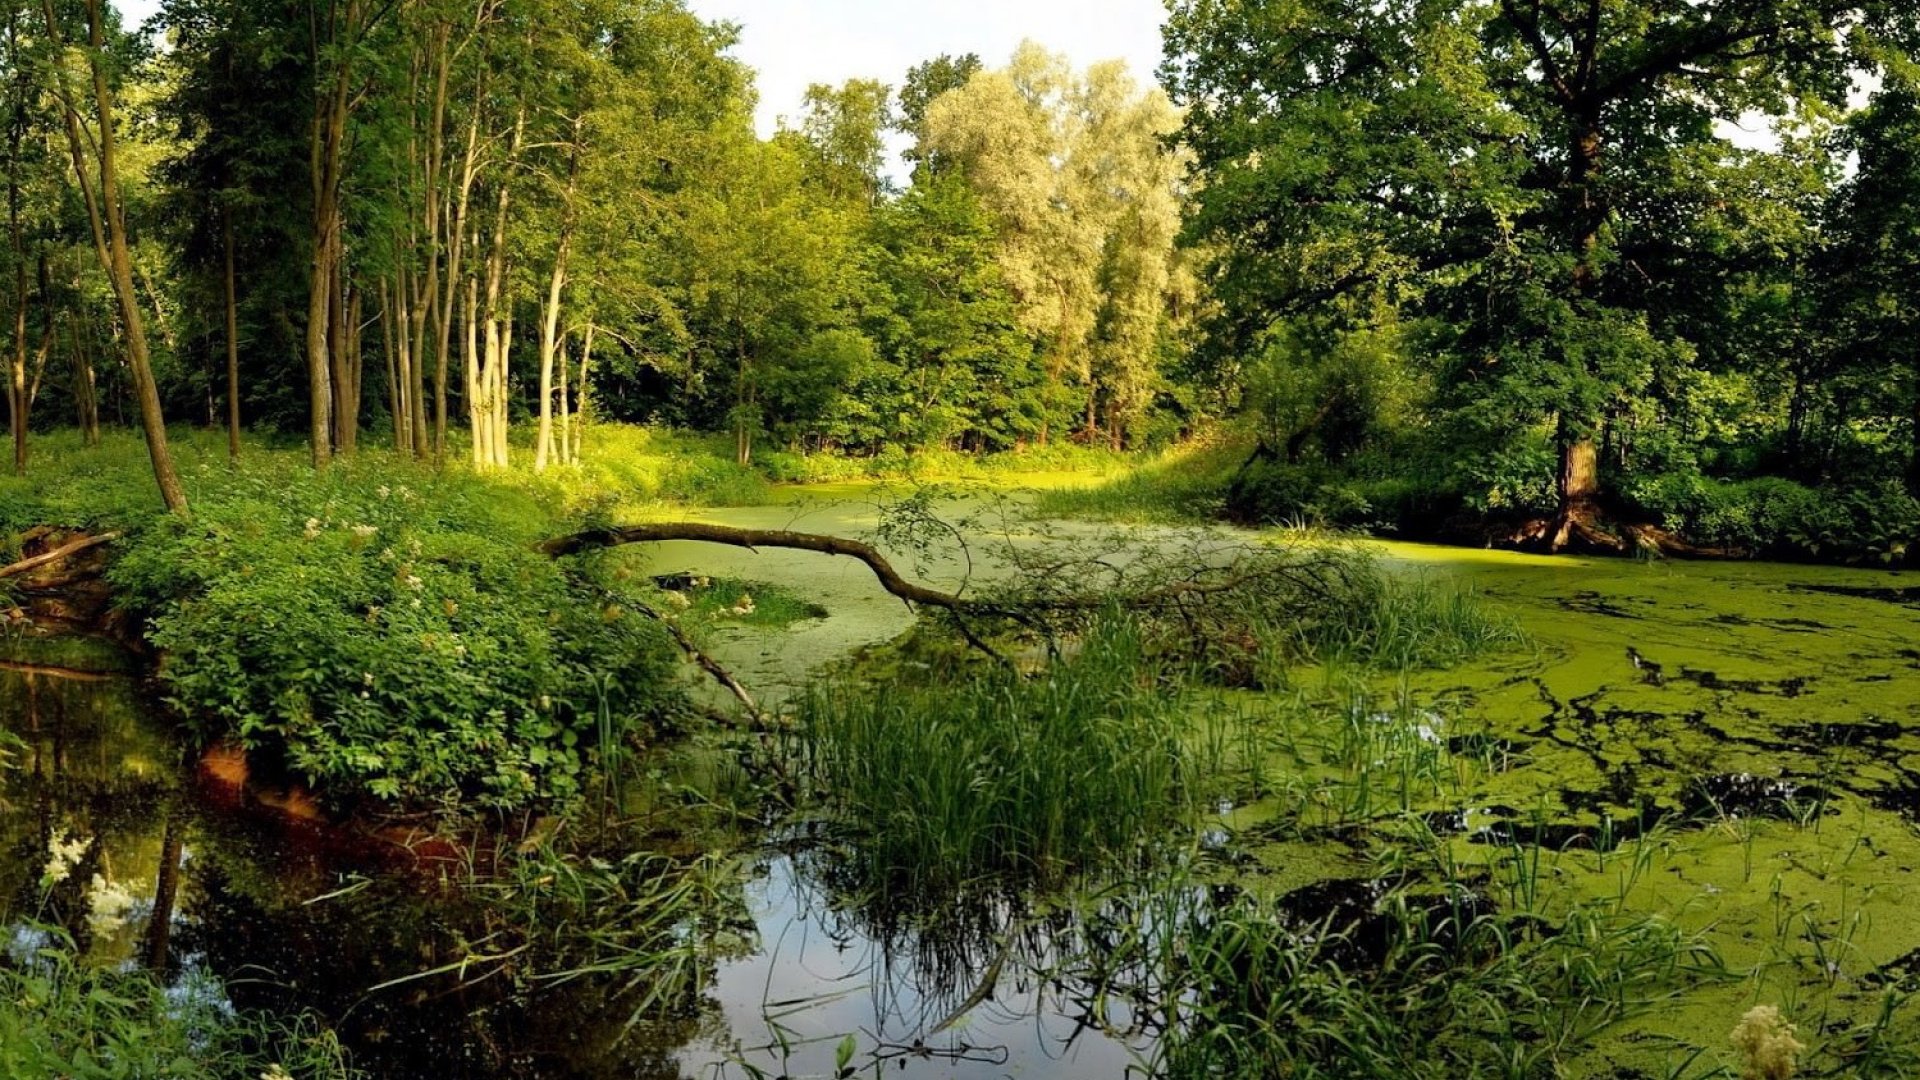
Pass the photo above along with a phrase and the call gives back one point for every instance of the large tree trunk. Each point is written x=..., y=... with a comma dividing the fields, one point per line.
x=107, y=219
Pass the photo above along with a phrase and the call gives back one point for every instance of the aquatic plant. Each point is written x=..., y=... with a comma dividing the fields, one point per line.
x=61, y=1017
x=1413, y=984
x=995, y=773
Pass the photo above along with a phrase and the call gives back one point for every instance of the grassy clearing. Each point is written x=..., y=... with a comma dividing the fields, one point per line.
x=61, y=1018
x=1180, y=486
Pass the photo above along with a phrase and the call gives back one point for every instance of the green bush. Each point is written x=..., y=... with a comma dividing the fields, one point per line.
x=1781, y=518
x=387, y=632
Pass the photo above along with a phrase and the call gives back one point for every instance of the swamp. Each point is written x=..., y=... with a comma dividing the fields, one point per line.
x=746, y=540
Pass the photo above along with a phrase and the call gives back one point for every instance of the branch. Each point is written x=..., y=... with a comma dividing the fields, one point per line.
x=751, y=539
x=58, y=553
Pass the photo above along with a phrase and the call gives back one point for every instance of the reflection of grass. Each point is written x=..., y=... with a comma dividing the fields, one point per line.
x=62, y=1018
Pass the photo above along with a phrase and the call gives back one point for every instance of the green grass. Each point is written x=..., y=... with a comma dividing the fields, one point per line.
x=1000, y=776
x=1179, y=486
x=1424, y=986
x=60, y=1018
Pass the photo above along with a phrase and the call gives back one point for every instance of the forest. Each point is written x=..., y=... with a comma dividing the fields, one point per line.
x=1377, y=549
x=1475, y=268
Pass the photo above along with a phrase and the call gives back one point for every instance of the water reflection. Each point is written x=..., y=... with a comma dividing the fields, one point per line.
x=981, y=986
x=149, y=858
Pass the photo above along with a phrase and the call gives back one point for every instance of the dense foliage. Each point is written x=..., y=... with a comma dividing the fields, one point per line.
x=380, y=630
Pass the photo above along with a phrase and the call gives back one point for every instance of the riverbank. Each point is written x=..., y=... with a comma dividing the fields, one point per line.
x=1695, y=516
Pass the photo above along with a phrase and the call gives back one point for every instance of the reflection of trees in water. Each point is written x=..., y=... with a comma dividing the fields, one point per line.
x=225, y=890
x=85, y=775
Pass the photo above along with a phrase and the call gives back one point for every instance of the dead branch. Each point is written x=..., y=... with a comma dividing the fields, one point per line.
x=58, y=553
x=1194, y=587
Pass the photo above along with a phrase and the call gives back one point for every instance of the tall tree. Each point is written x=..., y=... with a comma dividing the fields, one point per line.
x=1500, y=163
x=107, y=219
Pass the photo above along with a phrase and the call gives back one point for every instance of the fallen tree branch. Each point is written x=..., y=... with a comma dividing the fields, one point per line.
x=58, y=553
x=751, y=539
x=1193, y=587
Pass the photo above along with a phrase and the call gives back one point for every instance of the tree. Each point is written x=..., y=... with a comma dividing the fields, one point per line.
x=1500, y=164
x=954, y=365
x=847, y=128
x=107, y=218
x=1875, y=268
x=1082, y=186
x=925, y=82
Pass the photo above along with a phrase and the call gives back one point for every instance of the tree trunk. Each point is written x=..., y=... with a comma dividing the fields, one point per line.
x=110, y=243
x=395, y=410
x=564, y=450
x=550, y=343
x=580, y=414
x=470, y=352
x=327, y=150
x=233, y=341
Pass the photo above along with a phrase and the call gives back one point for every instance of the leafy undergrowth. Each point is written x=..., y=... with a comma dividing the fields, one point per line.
x=1179, y=486
x=380, y=630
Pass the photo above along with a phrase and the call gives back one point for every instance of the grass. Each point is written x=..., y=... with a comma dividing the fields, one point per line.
x=998, y=775
x=59, y=1017
x=1422, y=985
x=1180, y=486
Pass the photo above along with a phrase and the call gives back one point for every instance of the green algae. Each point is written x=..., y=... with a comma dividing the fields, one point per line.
x=1588, y=756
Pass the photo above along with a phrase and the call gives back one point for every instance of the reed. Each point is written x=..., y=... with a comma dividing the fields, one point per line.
x=1003, y=775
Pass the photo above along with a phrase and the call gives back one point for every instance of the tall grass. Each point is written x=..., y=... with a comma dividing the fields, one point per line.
x=62, y=1018
x=1447, y=990
x=999, y=774
x=1391, y=623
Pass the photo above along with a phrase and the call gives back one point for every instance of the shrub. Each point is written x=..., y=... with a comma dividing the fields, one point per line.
x=379, y=639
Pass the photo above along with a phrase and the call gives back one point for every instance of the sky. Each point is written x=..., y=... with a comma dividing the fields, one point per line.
x=793, y=43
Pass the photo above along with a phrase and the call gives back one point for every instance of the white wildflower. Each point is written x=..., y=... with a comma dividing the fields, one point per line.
x=365, y=531
x=108, y=905
x=384, y=491
x=414, y=582
x=313, y=528
x=64, y=852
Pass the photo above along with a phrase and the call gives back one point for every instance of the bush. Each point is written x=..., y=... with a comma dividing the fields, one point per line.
x=381, y=638
x=1784, y=519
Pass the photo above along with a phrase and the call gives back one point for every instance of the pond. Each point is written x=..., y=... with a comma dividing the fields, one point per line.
x=1749, y=732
